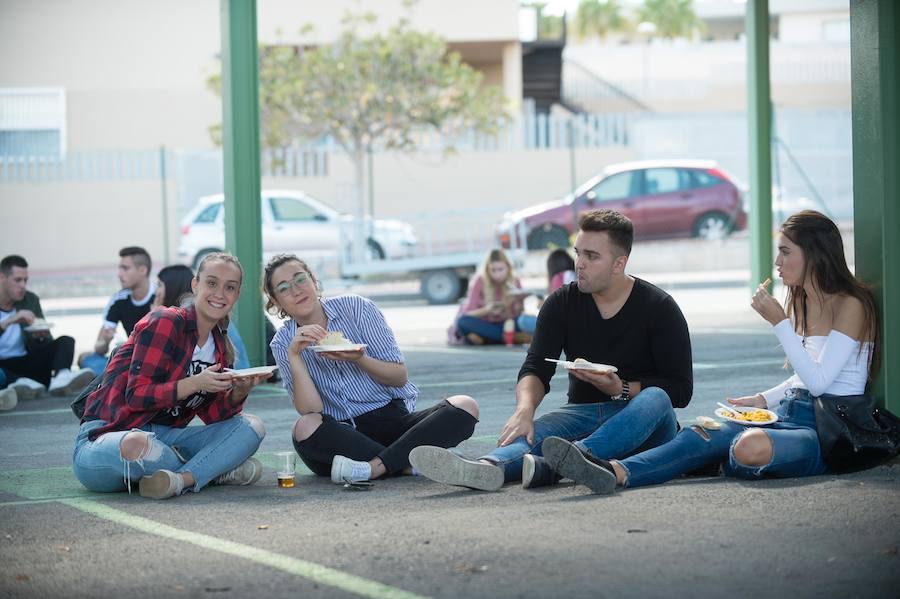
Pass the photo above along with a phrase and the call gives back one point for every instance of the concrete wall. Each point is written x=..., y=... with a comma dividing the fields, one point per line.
x=135, y=72
x=678, y=77
x=78, y=224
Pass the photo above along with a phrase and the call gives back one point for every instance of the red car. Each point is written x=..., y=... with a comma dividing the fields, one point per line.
x=663, y=198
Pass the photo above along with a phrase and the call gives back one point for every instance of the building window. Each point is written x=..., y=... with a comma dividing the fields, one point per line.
x=32, y=122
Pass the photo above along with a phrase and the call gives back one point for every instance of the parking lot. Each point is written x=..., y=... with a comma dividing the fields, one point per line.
x=827, y=536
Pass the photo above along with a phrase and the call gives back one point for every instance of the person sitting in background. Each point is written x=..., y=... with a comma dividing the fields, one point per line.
x=170, y=370
x=126, y=306
x=31, y=360
x=560, y=271
x=492, y=306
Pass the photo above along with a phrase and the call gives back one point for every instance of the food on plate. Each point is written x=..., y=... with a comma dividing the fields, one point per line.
x=335, y=338
x=708, y=423
x=748, y=416
x=580, y=361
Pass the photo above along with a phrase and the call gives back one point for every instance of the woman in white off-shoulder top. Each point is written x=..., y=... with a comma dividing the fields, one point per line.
x=829, y=334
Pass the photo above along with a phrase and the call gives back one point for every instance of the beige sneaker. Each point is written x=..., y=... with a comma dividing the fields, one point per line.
x=8, y=399
x=162, y=484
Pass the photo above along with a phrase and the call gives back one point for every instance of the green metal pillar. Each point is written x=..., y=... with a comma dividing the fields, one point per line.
x=759, y=119
x=240, y=105
x=875, y=77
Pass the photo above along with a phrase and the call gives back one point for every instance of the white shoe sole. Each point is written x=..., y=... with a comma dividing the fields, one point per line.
x=570, y=463
x=446, y=467
x=25, y=393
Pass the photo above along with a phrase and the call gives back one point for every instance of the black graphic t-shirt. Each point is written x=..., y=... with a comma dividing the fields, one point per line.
x=203, y=357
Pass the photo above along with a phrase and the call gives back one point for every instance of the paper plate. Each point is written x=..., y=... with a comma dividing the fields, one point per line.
x=322, y=349
x=242, y=372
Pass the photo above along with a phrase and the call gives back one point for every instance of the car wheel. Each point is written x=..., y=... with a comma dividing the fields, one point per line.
x=375, y=250
x=712, y=225
x=548, y=237
x=202, y=254
x=441, y=286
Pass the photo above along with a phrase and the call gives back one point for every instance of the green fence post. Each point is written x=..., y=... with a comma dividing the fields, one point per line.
x=875, y=77
x=240, y=140
x=759, y=120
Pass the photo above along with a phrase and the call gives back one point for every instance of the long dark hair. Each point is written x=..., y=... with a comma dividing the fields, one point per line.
x=558, y=261
x=177, y=279
x=824, y=260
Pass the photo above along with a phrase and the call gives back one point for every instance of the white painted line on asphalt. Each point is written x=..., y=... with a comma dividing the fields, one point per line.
x=298, y=567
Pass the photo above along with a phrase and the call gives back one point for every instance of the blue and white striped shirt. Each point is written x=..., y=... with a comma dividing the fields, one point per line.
x=346, y=390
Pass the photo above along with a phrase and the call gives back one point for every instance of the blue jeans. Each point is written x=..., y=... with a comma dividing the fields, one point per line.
x=607, y=430
x=95, y=362
x=795, y=448
x=207, y=451
x=489, y=331
x=527, y=323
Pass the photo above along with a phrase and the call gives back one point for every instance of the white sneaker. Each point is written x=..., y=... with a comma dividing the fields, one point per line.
x=245, y=474
x=67, y=382
x=8, y=398
x=345, y=470
x=28, y=388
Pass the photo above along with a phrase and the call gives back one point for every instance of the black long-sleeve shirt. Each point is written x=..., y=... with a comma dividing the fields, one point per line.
x=647, y=340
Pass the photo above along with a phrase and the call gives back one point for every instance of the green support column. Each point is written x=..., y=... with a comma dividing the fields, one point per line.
x=759, y=119
x=875, y=64
x=240, y=121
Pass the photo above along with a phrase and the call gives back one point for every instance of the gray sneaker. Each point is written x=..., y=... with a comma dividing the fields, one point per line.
x=570, y=462
x=443, y=466
x=245, y=474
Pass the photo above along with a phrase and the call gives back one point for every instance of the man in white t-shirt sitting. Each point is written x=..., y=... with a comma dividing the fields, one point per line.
x=30, y=358
x=126, y=306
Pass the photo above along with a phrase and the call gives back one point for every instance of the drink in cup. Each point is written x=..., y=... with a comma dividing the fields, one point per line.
x=285, y=472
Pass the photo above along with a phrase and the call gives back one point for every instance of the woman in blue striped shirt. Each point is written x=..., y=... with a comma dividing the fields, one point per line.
x=357, y=407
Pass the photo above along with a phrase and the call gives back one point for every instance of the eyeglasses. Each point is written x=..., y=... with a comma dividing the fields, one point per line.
x=284, y=287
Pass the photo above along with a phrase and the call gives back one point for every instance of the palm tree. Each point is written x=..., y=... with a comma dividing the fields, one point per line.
x=598, y=17
x=673, y=18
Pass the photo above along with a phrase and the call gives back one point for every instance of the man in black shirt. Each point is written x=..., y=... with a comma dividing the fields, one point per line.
x=128, y=305
x=607, y=317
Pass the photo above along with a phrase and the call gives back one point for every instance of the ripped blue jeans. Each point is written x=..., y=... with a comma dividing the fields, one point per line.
x=795, y=448
x=205, y=451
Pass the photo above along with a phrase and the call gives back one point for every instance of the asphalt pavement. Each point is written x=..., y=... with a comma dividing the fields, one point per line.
x=826, y=536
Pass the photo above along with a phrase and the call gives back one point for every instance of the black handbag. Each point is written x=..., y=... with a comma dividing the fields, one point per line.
x=854, y=433
x=79, y=403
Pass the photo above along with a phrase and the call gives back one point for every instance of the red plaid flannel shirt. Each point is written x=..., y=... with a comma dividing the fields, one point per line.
x=142, y=378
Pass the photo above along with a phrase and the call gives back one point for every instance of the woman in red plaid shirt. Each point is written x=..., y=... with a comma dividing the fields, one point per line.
x=171, y=369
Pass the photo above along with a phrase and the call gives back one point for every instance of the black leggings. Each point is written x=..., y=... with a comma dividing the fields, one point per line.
x=41, y=362
x=389, y=433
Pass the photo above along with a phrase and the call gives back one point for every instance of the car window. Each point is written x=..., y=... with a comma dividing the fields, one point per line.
x=615, y=187
x=705, y=179
x=665, y=180
x=209, y=214
x=290, y=209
